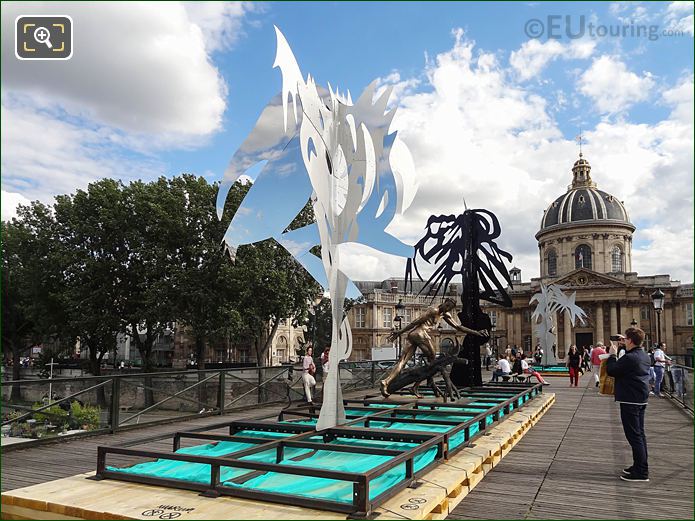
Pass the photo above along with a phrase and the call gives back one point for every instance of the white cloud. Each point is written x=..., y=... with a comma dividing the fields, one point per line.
x=476, y=134
x=220, y=22
x=612, y=87
x=140, y=81
x=43, y=155
x=631, y=12
x=143, y=68
x=679, y=17
x=533, y=56
x=10, y=201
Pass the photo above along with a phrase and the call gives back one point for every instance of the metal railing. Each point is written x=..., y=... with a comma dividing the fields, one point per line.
x=678, y=385
x=78, y=406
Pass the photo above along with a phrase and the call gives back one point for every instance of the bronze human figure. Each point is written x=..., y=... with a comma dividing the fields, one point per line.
x=418, y=336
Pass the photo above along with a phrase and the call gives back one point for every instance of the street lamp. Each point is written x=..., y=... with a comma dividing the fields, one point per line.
x=633, y=323
x=658, y=301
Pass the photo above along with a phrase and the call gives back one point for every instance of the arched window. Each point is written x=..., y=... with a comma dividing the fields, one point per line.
x=616, y=259
x=552, y=263
x=582, y=256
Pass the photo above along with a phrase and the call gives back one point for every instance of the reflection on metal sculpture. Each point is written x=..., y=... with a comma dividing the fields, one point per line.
x=418, y=337
x=465, y=245
x=549, y=301
x=359, y=177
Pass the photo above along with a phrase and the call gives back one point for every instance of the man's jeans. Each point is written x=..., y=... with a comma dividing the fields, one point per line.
x=659, y=372
x=632, y=417
x=497, y=373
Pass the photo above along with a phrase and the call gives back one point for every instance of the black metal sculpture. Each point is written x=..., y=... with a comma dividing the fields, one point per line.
x=465, y=245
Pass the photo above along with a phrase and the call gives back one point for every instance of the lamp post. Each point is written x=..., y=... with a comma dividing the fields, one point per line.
x=399, y=320
x=633, y=323
x=658, y=301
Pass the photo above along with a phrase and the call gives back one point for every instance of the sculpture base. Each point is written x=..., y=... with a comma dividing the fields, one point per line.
x=434, y=497
x=552, y=370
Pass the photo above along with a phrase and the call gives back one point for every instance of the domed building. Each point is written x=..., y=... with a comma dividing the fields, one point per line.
x=585, y=228
x=585, y=245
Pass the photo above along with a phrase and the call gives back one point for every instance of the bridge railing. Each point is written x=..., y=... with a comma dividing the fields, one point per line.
x=78, y=406
x=678, y=385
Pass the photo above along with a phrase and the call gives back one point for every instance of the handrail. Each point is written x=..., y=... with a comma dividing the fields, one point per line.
x=362, y=375
x=70, y=397
x=135, y=375
x=682, y=392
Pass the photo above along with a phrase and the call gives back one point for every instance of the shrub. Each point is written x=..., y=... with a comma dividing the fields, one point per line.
x=54, y=414
x=85, y=416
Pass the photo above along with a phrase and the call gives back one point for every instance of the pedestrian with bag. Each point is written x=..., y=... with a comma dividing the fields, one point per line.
x=596, y=353
x=573, y=361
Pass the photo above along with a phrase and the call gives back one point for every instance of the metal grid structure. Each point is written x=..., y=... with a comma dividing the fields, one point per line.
x=369, y=419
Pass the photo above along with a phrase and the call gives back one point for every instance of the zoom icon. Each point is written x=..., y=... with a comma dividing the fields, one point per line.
x=43, y=37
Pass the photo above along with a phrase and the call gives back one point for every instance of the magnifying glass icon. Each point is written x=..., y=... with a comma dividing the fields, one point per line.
x=43, y=35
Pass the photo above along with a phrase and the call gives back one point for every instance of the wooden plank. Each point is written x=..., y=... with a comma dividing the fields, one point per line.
x=77, y=497
x=579, y=445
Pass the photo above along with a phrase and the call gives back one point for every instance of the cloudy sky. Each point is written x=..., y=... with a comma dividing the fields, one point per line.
x=490, y=114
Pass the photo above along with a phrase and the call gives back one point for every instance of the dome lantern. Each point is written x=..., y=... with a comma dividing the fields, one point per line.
x=581, y=173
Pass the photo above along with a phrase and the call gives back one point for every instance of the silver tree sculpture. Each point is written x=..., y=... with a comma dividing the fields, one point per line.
x=318, y=144
x=551, y=300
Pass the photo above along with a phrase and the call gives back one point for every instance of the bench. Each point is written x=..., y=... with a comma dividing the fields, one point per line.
x=522, y=377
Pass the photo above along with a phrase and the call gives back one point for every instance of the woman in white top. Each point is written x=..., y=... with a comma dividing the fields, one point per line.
x=308, y=370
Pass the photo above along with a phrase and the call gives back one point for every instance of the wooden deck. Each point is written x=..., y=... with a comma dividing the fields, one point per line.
x=38, y=464
x=566, y=467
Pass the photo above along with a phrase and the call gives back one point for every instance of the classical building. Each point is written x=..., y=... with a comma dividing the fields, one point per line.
x=585, y=245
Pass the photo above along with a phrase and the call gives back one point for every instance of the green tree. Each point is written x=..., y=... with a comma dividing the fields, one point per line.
x=272, y=286
x=31, y=308
x=92, y=249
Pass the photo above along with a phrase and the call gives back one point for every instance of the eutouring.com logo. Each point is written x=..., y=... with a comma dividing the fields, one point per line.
x=557, y=27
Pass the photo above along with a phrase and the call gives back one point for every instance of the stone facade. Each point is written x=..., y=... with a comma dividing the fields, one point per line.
x=589, y=234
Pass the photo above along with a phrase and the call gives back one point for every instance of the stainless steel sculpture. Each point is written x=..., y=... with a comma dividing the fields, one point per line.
x=551, y=300
x=318, y=144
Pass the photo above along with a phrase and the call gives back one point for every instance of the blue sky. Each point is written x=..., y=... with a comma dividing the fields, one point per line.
x=465, y=75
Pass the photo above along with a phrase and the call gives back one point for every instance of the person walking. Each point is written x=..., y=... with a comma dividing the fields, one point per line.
x=308, y=371
x=488, y=356
x=596, y=353
x=573, y=361
x=631, y=373
x=660, y=361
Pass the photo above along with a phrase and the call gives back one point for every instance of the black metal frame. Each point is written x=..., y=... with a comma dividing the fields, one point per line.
x=358, y=427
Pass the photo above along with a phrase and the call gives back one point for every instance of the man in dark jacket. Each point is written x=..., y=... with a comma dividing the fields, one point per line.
x=631, y=373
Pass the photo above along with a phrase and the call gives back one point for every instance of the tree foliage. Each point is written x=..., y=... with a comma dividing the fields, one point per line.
x=128, y=259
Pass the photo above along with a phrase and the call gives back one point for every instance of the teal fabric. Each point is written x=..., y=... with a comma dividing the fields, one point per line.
x=320, y=488
x=311, y=421
x=447, y=417
x=182, y=470
x=264, y=434
x=331, y=489
x=358, y=412
x=323, y=488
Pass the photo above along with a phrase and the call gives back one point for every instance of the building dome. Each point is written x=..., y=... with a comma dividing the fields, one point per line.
x=585, y=228
x=583, y=203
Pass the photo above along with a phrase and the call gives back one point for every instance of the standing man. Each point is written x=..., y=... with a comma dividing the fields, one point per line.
x=488, y=356
x=660, y=362
x=596, y=352
x=631, y=373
